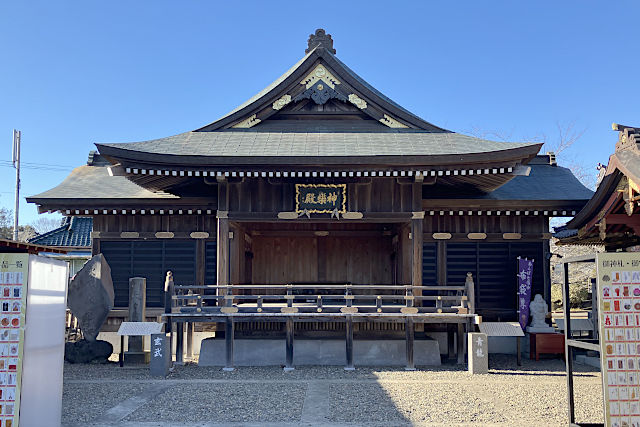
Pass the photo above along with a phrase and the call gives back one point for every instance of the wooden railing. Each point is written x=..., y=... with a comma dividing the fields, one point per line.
x=322, y=298
x=309, y=302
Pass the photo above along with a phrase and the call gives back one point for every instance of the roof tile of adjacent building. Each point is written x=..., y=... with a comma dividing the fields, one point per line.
x=74, y=232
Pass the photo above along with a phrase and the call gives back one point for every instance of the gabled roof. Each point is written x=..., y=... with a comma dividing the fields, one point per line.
x=346, y=83
x=314, y=114
x=75, y=231
x=612, y=217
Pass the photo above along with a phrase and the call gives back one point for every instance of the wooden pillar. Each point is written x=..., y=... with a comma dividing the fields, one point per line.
x=190, y=340
x=222, y=265
x=416, y=255
x=228, y=338
x=409, y=329
x=222, y=246
x=349, y=343
x=179, y=343
x=546, y=271
x=460, y=343
x=289, y=357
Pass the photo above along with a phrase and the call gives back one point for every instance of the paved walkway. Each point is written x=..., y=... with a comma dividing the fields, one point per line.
x=194, y=396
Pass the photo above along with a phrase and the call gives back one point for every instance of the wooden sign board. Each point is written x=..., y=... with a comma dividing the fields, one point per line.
x=321, y=198
x=619, y=318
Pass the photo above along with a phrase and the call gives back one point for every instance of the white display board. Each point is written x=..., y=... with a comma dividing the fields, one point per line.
x=41, y=398
x=13, y=285
x=619, y=318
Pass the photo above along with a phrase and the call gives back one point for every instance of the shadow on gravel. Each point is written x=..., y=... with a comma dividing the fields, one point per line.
x=501, y=364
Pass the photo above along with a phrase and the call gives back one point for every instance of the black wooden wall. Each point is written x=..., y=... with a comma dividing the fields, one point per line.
x=494, y=268
x=150, y=259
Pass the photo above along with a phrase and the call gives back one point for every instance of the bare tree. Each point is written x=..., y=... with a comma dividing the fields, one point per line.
x=44, y=224
x=566, y=137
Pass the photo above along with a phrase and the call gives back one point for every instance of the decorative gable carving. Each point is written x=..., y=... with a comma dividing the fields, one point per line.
x=391, y=122
x=284, y=100
x=248, y=122
x=320, y=73
x=357, y=101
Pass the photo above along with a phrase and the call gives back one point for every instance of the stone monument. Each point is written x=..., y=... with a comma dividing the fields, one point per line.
x=539, y=310
x=478, y=346
x=90, y=298
x=137, y=313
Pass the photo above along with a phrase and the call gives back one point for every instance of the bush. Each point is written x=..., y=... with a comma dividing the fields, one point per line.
x=578, y=295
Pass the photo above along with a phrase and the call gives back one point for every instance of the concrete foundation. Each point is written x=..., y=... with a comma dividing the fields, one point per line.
x=259, y=352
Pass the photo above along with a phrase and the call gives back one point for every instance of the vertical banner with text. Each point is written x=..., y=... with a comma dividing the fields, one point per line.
x=13, y=297
x=525, y=273
x=619, y=316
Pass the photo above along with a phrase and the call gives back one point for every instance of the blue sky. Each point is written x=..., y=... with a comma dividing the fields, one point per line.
x=74, y=73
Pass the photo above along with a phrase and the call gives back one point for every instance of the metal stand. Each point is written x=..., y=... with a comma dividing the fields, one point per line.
x=569, y=342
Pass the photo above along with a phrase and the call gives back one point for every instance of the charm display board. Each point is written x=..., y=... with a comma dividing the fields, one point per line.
x=619, y=311
x=13, y=291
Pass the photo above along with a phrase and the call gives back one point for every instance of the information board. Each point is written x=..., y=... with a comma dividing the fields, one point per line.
x=619, y=317
x=13, y=279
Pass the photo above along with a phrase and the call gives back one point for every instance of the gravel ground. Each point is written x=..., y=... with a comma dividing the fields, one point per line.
x=233, y=402
x=534, y=394
x=82, y=403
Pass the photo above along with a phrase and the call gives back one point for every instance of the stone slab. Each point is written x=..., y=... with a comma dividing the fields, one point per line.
x=271, y=352
x=160, y=355
x=478, y=346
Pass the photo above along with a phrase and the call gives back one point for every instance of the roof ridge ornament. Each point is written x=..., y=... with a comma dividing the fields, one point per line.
x=320, y=39
x=628, y=137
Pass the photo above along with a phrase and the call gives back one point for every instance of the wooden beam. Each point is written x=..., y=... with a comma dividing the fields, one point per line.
x=623, y=219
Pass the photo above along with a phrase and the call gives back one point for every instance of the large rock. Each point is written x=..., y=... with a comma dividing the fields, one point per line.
x=90, y=296
x=84, y=351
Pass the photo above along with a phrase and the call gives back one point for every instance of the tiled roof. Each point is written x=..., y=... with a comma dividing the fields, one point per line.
x=74, y=232
x=545, y=182
x=323, y=144
x=95, y=182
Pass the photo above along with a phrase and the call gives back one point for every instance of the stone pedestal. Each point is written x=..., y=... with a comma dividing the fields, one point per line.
x=160, y=355
x=137, y=313
x=478, y=353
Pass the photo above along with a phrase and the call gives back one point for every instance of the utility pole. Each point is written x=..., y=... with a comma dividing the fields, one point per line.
x=15, y=158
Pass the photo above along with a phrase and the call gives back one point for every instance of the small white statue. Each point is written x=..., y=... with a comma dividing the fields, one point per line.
x=539, y=309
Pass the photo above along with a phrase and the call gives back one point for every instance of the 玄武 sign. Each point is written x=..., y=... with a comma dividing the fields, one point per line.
x=619, y=317
x=321, y=198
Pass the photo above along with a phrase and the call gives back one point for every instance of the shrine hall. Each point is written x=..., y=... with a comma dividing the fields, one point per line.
x=322, y=181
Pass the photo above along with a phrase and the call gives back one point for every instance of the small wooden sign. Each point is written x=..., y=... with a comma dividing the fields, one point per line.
x=321, y=198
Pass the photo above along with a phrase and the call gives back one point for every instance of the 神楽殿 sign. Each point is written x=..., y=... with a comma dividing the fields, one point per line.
x=619, y=318
x=321, y=198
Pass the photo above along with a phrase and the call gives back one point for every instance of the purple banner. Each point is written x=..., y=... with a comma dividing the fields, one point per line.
x=525, y=272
